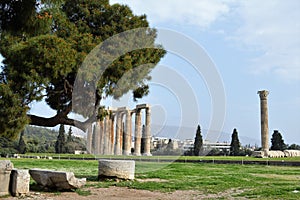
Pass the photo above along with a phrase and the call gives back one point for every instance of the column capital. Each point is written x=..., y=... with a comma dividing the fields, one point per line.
x=263, y=94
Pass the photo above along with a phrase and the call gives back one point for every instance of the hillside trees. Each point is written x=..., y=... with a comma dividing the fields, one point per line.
x=44, y=44
x=22, y=144
x=61, y=141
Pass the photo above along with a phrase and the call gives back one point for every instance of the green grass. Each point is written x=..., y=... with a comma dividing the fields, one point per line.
x=252, y=181
x=83, y=192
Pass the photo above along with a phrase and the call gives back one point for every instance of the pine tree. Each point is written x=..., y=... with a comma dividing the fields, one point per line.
x=22, y=148
x=44, y=44
x=235, y=144
x=69, y=138
x=60, y=142
x=198, y=142
x=277, y=142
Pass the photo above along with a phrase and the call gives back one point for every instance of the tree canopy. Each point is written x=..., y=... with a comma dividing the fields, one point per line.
x=45, y=42
x=277, y=142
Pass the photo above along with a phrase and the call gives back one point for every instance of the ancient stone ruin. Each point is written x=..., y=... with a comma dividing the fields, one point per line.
x=120, y=169
x=113, y=134
x=5, y=169
x=56, y=179
x=16, y=181
x=264, y=121
x=19, y=183
x=265, y=152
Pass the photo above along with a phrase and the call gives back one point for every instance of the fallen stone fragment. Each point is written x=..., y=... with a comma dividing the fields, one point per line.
x=122, y=169
x=56, y=179
x=20, y=179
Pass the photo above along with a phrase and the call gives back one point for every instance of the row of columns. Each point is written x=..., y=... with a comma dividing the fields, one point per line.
x=113, y=135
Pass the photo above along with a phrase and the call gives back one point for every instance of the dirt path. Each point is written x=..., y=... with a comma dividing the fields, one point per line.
x=117, y=193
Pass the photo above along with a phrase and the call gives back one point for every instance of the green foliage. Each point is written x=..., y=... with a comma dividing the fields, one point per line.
x=7, y=146
x=39, y=140
x=277, y=142
x=60, y=142
x=235, y=145
x=69, y=138
x=44, y=43
x=198, y=142
x=15, y=15
x=12, y=113
x=294, y=146
x=83, y=192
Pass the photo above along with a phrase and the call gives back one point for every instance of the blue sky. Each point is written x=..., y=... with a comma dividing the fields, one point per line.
x=254, y=45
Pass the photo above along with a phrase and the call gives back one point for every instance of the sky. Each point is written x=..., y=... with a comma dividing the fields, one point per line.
x=250, y=45
x=255, y=45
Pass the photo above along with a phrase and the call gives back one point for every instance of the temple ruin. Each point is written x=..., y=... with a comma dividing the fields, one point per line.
x=113, y=134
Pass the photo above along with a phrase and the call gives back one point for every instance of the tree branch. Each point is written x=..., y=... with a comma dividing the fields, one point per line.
x=56, y=120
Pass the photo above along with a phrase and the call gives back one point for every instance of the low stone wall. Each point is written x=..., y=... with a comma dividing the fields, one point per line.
x=291, y=153
x=276, y=154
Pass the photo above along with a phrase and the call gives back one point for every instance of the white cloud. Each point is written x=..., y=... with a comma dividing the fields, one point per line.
x=272, y=28
x=180, y=12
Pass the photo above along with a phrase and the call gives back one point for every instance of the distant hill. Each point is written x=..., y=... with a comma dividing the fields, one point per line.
x=40, y=134
x=42, y=140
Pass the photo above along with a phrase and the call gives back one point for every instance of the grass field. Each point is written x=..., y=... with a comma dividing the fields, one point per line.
x=250, y=181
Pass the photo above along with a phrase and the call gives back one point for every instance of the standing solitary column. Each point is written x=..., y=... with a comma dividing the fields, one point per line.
x=137, y=134
x=147, y=138
x=127, y=139
x=264, y=121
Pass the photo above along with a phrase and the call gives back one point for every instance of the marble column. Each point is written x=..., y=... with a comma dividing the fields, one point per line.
x=112, y=134
x=118, y=134
x=264, y=121
x=102, y=131
x=127, y=135
x=137, y=135
x=121, y=134
x=98, y=135
x=106, y=136
x=147, y=137
x=89, y=132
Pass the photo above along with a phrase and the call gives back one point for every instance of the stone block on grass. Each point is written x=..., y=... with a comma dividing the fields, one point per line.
x=19, y=182
x=121, y=169
x=56, y=179
x=5, y=169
